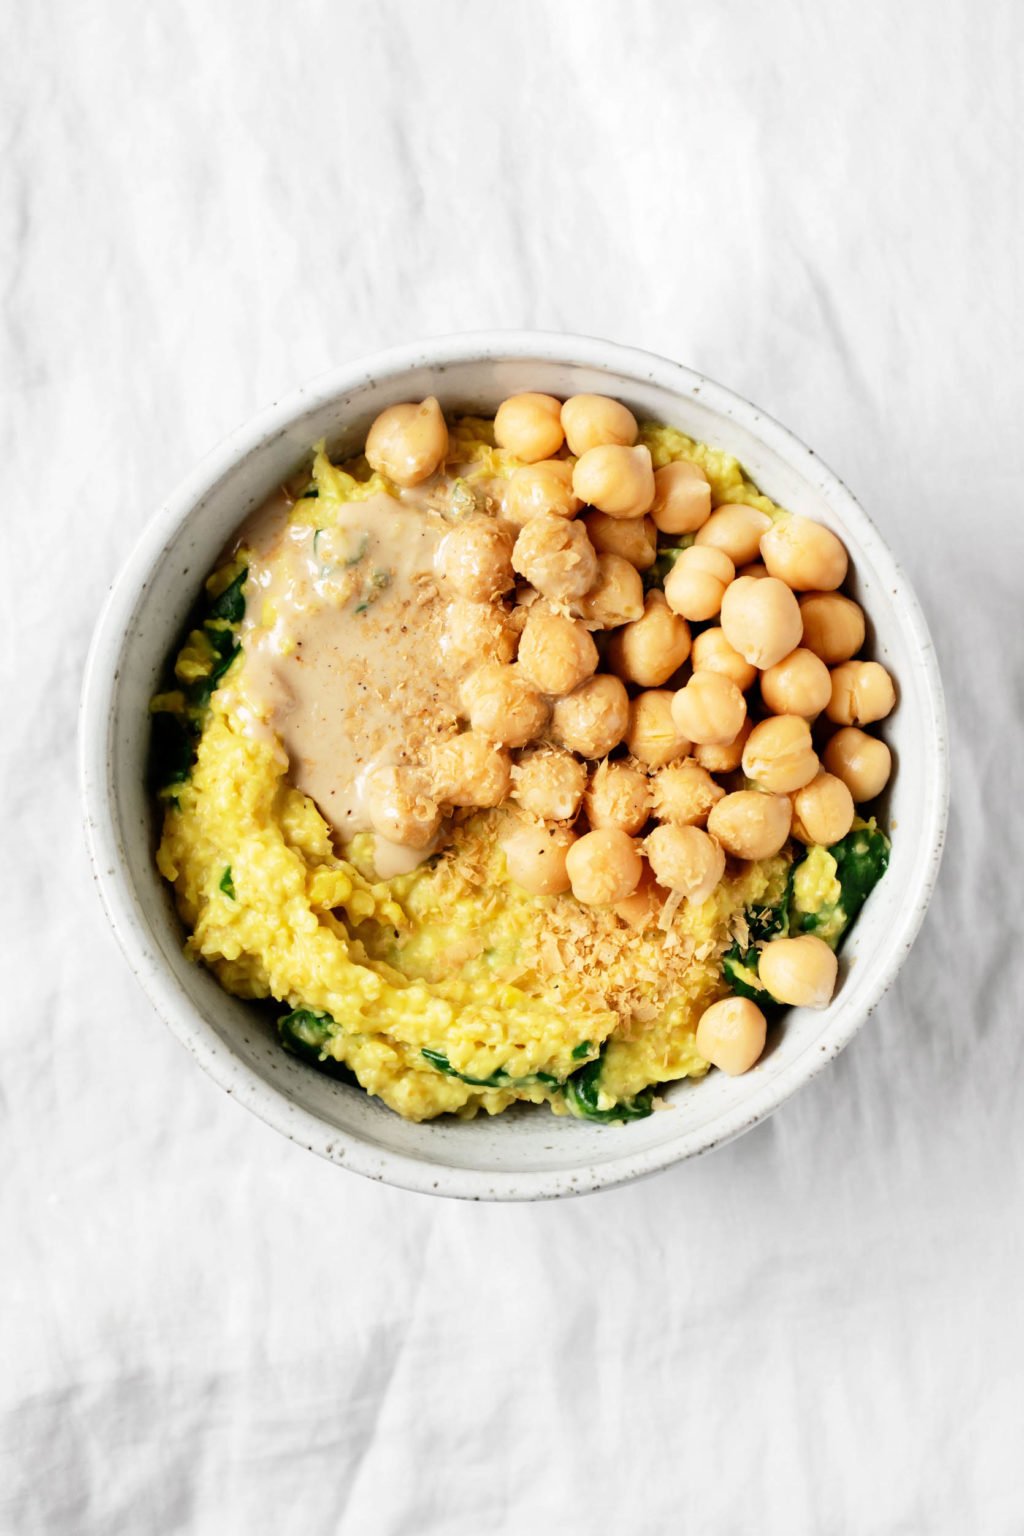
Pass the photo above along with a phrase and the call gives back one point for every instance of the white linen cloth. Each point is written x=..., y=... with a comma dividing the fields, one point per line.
x=205, y=1329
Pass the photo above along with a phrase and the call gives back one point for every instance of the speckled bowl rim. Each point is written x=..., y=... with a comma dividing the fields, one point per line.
x=108, y=859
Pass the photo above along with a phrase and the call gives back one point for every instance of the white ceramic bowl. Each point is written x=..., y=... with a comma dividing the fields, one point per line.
x=529, y=1153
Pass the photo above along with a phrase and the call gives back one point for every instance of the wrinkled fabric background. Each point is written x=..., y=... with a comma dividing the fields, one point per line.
x=205, y=1329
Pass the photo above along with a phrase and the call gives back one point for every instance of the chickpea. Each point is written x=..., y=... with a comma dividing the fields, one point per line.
x=861, y=693
x=724, y=758
x=806, y=555
x=634, y=538
x=529, y=426
x=474, y=631
x=536, y=857
x=617, y=596
x=833, y=626
x=474, y=560
x=652, y=735
x=400, y=806
x=470, y=770
x=408, y=443
x=736, y=530
x=750, y=825
x=652, y=647
x=731, y=1035
x=863, y=762
x=801, y=972
x=761, y=620
x=696, y=584
x=822, y=810
x=556, y=557
x=685, y=793
x=556, y=653
x=593, y=719
x=713, y=653
x=604, y=867
x=682, y=497
x=642, y=909
x=591, y=421
x=618, y=481
x=536, y=488
x=503, y=704
x=756, y=568
x=779, y=756
x=549, y=782
x=685, y=859
x=799, y=684
x=619, y=796
x=710, y=710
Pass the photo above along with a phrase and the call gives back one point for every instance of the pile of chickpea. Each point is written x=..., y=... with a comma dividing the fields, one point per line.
x=565, y=660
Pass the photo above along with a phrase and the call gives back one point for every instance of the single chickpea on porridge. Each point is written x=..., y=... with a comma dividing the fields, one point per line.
x=523, y=759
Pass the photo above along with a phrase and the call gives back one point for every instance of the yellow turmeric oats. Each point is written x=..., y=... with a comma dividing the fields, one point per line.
x=322, y=861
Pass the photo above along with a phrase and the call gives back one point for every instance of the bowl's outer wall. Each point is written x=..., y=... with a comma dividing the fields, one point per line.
x=521, y=1154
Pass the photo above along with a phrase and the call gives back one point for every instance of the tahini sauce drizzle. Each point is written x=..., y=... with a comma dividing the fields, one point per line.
x=342, y=650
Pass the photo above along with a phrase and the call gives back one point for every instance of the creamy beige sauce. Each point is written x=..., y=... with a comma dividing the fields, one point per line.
x=342, y=646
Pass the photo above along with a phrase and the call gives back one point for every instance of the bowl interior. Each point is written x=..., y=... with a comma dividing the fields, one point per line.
x=524, y=1152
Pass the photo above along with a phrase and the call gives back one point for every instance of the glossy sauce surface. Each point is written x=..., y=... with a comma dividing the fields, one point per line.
x=342, y=646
